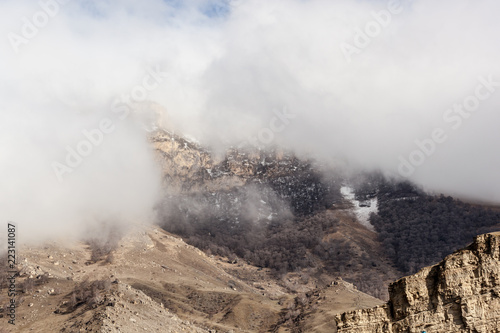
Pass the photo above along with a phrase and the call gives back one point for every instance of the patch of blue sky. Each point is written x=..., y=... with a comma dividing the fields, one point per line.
x=216, y=8
x=93, y=8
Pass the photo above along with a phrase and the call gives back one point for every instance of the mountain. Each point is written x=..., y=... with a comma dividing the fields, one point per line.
x=190, y=168
x=258, y=240
x=279, y=211
x=270, y=208
x=152, y=281
x=459, y=294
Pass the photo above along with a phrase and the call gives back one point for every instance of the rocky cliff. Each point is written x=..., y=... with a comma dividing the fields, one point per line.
x=460, y=294
x=191, y=169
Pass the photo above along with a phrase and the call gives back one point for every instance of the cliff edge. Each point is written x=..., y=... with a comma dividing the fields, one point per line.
x=459, y=294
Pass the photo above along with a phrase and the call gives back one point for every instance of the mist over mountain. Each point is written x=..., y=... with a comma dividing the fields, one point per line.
x=406, y=87
x=249, y=165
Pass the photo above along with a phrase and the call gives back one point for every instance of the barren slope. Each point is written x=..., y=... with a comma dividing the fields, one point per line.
x=155, y=283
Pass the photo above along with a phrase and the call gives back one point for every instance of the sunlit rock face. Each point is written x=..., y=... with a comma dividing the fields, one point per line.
x=460, y=294
x=189, y=169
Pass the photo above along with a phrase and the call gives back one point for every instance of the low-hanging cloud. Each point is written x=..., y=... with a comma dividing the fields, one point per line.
x=364, y=80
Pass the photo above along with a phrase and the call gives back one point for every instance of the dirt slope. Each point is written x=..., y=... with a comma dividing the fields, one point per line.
x=155, y=283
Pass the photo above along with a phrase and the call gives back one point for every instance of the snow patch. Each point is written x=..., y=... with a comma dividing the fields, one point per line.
x=362, y=209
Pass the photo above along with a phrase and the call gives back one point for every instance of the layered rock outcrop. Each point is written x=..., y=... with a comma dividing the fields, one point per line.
x=460, y=294
x=191, y=169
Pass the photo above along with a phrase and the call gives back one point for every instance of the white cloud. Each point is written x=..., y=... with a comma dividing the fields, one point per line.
x=225, y=76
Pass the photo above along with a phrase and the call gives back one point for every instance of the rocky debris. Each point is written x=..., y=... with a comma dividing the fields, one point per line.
x=130, y=310
x=460, y=294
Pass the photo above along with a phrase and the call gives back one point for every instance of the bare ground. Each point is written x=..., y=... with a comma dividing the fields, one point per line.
x=157, y=283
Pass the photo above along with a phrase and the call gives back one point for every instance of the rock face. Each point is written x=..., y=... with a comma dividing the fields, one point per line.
x=460, y=294
x=190, y=169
